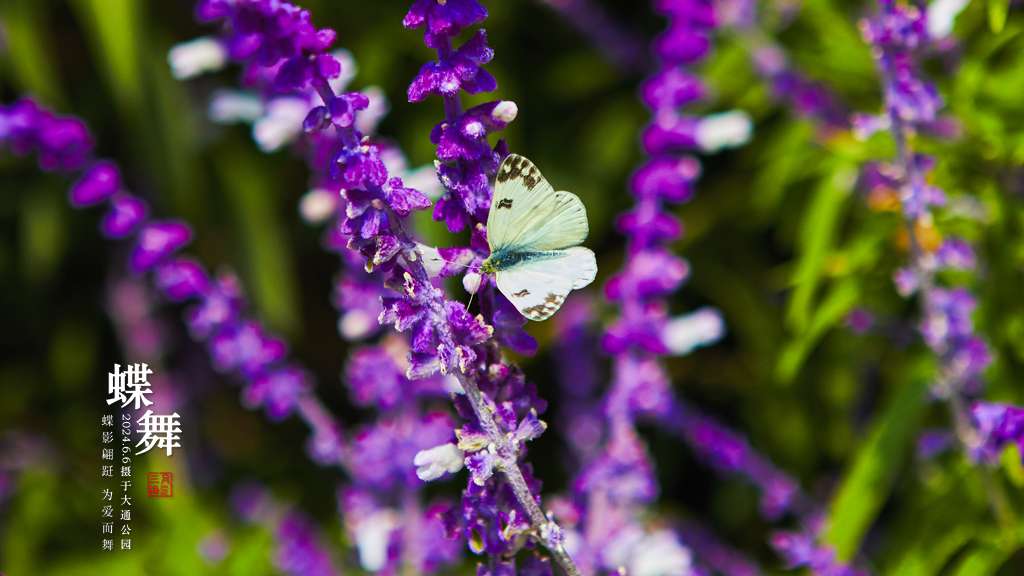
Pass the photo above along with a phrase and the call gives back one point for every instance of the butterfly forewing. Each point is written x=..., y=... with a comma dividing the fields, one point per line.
x=527, y=213
x=538, y=287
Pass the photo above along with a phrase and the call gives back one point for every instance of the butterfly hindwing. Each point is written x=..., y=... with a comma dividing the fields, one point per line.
x=538, y=287
x=528, y=214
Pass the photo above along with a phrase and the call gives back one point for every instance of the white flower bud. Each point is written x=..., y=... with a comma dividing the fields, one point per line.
x=726, y=130
x=357, y=324
x=433, y=463
x=196, y=57
x=506, y=111
x=281, y=124
x=683, y=334
x=660, y=554
x=318, y=205
x=373, y=535
x=232, y=106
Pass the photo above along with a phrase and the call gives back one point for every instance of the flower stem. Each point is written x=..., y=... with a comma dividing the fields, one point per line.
x=541, y=524
x=925, y=277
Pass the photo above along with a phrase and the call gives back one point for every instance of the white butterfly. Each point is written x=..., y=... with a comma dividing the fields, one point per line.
x=534, y=233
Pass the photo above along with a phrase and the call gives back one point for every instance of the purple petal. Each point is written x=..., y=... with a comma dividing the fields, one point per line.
x=156, y=242
x=125, y=214
x=101, y=181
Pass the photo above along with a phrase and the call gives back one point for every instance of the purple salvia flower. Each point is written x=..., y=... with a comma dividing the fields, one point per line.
x=156, y=242
x=65, y=143
x=799, y=549
x=97, y=184
x=298, y=546
x=444, y=18
x=277, y=391
x=860, y=320
x=457, y=70
x=220, y=305
x=955, y=253
x=181, y=279
x=382, y=455
x=60, y=142
x=126, y=213
x=245, y=347
x=299, y=551
x=996, y=425
x=933, y=442
x=377, y=376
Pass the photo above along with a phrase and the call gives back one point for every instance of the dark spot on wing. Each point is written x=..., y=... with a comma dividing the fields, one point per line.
x=521, y=293
x=545, y=310
x=531, y=177
x=518, y=167
x=505, y=203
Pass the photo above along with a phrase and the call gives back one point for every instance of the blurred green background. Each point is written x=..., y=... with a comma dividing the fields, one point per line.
x=780, y=239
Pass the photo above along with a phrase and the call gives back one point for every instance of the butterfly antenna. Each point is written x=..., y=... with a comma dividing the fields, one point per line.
x=471, y=267
x=470, y=301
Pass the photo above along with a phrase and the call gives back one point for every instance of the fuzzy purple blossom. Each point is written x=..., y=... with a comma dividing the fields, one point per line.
x=299, y=549
x=899, y=37
x=997, y=425
x=235, y=343
x=799, y=549
x=98, y=183
x=59, y=142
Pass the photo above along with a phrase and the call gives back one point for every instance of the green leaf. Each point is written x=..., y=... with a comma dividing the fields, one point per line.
x=869, y=480
x=820, y=227
x=785, y=161
x=1011, y=463
x=44, y=232
x=114, y=27
x=927, y=558
x=997, y=11
x=981, y=561
x=270, y=271
x=843, y=296
x=28, y=48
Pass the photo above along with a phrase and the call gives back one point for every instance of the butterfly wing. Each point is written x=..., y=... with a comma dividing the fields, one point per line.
x=538, y=287
x=527, y=214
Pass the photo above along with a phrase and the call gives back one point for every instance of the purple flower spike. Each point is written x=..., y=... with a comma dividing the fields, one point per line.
x=181, y=279
x=156, y=242
x=956, y=253
x=277, y=391
x=383, y=455
x=61, y=142
x=997, y=426
x=246, y=348
x=444, y=17
x=667, y=178
x=317, y=119
x=298, y=548
x=801, y=550
x=343, y=109
x=671, y=88
x=97, y=184
x=295, y=74
x=125, y=215
x=64, y=143
x=460, y=71
x=682, y=46
x=219, y=306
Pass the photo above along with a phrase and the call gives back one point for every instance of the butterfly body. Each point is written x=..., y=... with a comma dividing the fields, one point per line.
x=509, y=258
x=534, y=234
